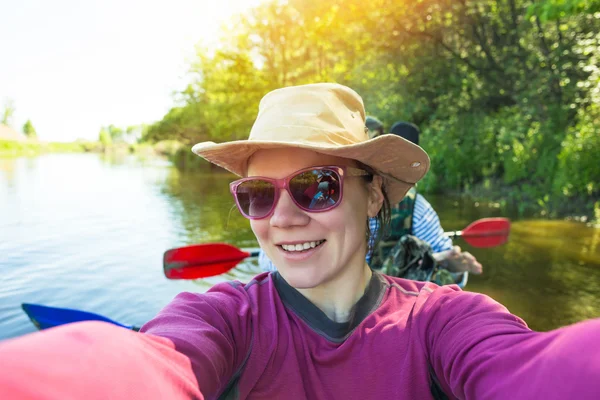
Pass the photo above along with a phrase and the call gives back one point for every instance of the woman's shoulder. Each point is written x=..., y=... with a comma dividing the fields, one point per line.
x=225, y=301
x=262, y=281
x=414, y=288
x=427, y=298
x=233, y=291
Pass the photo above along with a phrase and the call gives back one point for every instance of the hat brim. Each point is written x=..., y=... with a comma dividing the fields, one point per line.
x=401, y=163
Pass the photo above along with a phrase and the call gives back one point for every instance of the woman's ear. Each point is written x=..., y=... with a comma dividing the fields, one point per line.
x=375, y=200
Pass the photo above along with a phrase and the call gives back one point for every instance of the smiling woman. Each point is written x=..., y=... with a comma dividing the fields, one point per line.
x=324, y=326
x=339, y=226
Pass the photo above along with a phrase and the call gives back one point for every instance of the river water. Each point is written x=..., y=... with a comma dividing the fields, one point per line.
x=88, y=231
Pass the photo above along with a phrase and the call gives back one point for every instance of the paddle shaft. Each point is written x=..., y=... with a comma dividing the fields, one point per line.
x=205, y=260
x=455, y=234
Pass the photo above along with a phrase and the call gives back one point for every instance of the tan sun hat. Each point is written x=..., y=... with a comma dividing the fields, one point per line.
x=329, y=119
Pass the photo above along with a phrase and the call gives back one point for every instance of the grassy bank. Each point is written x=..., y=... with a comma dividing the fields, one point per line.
x=31, y=148
x=179, y=154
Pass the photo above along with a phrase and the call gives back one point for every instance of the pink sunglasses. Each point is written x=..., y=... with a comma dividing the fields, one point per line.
x=315, y=189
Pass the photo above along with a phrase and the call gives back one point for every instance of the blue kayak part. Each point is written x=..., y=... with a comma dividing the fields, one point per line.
x=461, y=278
x=44, y=317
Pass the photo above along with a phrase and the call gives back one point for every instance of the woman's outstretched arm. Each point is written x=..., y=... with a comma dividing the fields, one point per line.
x=479, y=350
x=191, y=350
x=94, y=360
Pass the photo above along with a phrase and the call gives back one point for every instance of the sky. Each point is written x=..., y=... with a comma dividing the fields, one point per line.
x=72, y=66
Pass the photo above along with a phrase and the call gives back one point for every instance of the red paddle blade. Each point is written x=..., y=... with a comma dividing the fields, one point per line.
x=201, y=260
x=487, y=232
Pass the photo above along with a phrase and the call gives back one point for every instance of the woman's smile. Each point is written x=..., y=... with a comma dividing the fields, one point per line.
x=301, y=246
x=300, y=251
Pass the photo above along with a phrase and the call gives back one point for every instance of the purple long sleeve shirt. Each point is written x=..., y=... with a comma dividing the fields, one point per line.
x=264, y=340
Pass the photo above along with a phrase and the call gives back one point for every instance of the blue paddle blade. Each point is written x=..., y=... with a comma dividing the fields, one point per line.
x=44, y=317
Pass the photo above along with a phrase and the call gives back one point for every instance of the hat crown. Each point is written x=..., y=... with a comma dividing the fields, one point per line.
x=324, y=114
x=326, y=118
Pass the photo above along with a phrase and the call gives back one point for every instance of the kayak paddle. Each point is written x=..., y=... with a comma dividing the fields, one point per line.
x=44, y=317
x=202, y=260
x=485, y=232
x=205, y=260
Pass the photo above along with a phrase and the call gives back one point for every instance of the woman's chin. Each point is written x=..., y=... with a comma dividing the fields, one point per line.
x=301, y=279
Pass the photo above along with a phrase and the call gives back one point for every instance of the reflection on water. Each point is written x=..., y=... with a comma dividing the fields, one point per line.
x=548, y=273
x=205, y=209
x=87, y=231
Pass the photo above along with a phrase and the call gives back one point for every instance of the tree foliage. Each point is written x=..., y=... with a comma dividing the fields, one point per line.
x=29, y=130
x=104, y=137
x=552, y=10
x=504, y=91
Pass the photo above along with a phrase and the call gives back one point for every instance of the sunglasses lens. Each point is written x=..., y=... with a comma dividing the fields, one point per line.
x=255, y=197
x=317, y=189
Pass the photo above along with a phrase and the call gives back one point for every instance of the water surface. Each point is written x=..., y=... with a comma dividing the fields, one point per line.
x=88, y=231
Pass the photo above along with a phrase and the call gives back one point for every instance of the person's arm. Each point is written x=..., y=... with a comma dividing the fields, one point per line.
x=94, y=360
x=214, y=330
x=426, y=226
x=189, y=351
x=479, y=350
x=456, y=260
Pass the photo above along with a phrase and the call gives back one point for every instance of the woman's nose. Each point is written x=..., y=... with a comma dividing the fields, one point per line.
x=287, y=213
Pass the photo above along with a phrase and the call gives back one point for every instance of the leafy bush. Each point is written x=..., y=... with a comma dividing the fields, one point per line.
x=578, y=171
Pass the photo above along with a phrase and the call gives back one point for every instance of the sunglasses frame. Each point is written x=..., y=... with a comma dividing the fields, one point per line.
x=283, y=184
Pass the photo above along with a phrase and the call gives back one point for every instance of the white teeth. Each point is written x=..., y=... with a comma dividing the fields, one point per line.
x=301, y=246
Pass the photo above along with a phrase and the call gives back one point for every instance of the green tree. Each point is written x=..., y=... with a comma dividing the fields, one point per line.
x=116, y=133
x=104, y=137
x=135, y=133
x=29, y=130
x=504, y=92
x=553, y=10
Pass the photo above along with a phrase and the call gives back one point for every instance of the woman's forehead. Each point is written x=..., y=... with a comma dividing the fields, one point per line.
x=278, y=163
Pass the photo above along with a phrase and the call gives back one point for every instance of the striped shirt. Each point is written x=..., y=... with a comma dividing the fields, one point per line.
x=426, y=226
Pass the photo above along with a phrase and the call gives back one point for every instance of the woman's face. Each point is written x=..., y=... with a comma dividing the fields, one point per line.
x=341, y=230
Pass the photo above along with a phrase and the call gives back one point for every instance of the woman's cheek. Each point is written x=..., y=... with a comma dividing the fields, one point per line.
x=260, y=229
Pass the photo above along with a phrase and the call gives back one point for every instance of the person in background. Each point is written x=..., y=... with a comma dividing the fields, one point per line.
x=374, y=125
x=415, y=216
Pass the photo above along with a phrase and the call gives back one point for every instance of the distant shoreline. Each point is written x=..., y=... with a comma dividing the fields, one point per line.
x=32, y=147
x=14, y=148
x=511, y=196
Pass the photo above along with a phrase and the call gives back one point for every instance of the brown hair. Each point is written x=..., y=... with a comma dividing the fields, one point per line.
x=384, y=214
